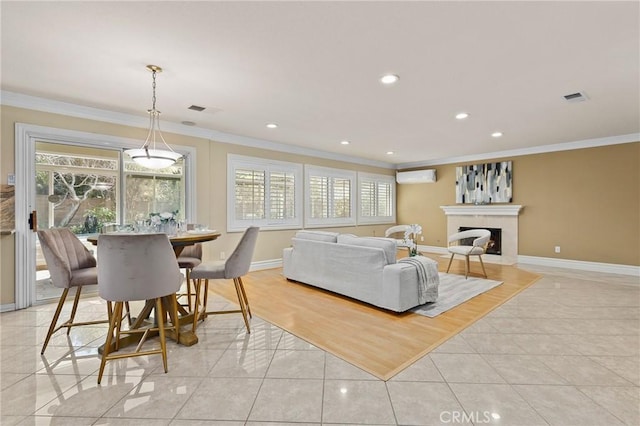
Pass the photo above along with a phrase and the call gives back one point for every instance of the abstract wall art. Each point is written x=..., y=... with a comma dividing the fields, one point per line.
x=484, y=183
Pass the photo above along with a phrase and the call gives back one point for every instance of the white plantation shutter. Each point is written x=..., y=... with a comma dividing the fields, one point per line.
x=330, y=198
x=376, y=198
x=265, y=193
x=250, y=195
x=282, y=195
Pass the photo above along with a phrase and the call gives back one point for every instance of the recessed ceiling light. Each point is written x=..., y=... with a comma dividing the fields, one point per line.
x=272, y=125
x=389, y=152
x=496, y=134
x=389, y=79
x=345, y=142
x=462, y=115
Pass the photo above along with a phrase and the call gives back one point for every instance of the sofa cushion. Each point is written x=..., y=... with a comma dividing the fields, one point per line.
x=386, y=244
x=327, y=237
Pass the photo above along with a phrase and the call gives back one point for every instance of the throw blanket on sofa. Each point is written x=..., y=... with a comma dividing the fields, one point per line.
x=428, y=278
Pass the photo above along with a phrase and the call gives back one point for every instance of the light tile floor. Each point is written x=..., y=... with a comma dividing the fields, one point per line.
x=566, y=351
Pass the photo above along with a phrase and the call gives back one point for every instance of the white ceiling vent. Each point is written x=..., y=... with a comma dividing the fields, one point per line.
x=576, y=97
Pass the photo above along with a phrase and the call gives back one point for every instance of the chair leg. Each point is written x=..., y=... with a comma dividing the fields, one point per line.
x=54, y=321
x=196, y=305
x=466, y=267
x=243, y=308
x=74, y=309
x=163, y=343
x=176, y=319
x=482, y=263
x=128, y=314
x=188, y=270
x=450, y=260
x=244, y=296
x=113, y=323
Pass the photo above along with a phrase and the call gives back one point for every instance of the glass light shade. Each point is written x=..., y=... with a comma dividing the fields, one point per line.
x=153, y=158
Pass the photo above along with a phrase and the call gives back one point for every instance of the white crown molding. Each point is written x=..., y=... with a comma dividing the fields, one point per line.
x=609, y=268
x=483, y=210
x=19, y=100
x=567, y=146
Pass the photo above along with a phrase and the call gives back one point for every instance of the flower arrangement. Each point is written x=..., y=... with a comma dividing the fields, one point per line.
x=162, y=218
x=411, y=237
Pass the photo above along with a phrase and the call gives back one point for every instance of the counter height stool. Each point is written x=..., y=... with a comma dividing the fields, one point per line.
x=137, y=267
x=190, y=257
x=70, y=264
x=234, y=267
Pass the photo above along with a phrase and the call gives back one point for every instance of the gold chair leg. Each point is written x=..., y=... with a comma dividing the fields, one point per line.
x=450, y=260
x=244, y=296
x=188, y=270
x=115, y=318
x=163, y=343
x=54, y=321
x=196, y=305
x=128, y=315
x=243, y=308
x=482, y=263
x=172, y=309
x=74, y=309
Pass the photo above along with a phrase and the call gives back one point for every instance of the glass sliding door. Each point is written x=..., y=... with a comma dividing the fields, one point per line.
x=87, y=190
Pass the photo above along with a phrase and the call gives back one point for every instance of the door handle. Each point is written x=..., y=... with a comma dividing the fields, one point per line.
x=33, y=221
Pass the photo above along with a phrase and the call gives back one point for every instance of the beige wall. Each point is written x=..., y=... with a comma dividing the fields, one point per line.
x=211, y=163
x=586, y=201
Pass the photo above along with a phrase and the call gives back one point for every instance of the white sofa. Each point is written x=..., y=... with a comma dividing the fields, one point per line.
x=363, y=268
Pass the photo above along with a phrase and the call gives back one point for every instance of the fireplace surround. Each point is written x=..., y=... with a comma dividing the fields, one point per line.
x=503, y=216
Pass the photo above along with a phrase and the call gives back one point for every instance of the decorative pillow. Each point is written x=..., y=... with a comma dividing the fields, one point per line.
x=386, y=244
x=327, y=237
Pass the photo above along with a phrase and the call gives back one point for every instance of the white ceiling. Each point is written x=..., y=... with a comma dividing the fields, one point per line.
x=313, y=68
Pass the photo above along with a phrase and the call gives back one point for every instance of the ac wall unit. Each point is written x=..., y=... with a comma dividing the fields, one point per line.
x=416, y=176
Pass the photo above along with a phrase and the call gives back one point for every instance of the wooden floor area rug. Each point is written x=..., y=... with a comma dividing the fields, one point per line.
x=380, y=342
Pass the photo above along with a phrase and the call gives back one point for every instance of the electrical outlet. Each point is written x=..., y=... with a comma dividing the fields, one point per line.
x=222, y=256
x=557, y=249
x=421, y=238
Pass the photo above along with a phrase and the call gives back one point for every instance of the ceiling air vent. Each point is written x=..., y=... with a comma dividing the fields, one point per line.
x=196, y=108
x=576, y=97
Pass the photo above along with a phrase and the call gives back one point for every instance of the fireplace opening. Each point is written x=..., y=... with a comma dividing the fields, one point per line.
x=495, y=241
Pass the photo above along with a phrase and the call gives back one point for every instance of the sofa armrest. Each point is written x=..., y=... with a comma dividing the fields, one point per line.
x=399, y=287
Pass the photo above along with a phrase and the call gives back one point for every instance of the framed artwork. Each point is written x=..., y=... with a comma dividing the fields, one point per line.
x=484, y=183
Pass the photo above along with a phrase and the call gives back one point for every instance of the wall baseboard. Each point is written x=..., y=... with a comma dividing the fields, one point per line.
x=8, y=307
x=266, y=264
x=610, y=268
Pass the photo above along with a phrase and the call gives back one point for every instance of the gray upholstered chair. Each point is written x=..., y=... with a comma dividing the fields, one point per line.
x=190, y=257
x=459, y=244
x=234, y=267
x=137, y=267
x=70, y=264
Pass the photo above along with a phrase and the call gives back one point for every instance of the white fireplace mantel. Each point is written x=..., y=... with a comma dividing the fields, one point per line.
x=503, y=216
x=483, y=210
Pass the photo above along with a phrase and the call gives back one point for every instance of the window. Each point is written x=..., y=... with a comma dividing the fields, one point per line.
x=265, y=193
x=376, y=198
x=330, y=198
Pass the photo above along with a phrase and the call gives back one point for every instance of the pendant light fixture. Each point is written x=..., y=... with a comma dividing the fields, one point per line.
x=149, y=156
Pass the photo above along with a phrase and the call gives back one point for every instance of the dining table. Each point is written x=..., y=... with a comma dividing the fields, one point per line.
x=186, y=337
